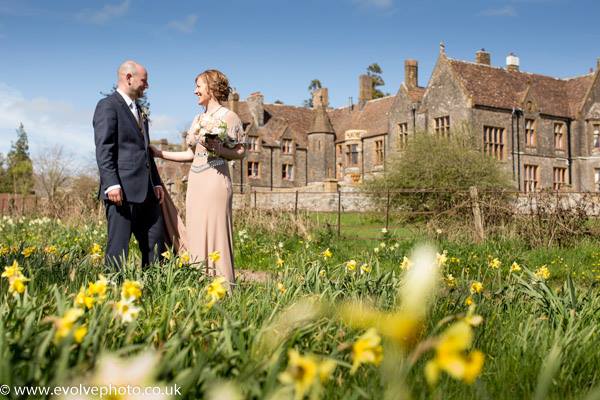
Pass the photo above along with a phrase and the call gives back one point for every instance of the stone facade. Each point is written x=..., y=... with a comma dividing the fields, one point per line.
x=545, y=131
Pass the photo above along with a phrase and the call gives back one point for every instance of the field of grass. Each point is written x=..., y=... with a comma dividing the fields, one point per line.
x=335, y=318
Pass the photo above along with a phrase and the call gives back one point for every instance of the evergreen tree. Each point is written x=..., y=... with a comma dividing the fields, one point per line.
x=20, y=167
x=314, y=85
x=4, y=182
x=375, y=71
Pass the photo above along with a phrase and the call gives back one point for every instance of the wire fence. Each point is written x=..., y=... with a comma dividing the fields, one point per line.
x=363, y=215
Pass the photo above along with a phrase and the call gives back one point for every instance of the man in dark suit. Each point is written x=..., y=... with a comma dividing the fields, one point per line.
x=129, y=182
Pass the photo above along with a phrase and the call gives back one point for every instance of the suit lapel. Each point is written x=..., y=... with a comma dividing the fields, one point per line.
x=143, y=127
x=132, y=119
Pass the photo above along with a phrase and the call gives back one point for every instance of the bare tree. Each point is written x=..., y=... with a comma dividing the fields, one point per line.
x=53, y=169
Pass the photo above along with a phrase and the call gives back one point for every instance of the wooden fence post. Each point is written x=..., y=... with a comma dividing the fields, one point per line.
x=296, y=205
x=477, y=218
x=339, y=215
x=387, y=211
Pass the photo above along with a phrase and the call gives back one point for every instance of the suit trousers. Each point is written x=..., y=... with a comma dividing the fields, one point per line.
x=144, y=220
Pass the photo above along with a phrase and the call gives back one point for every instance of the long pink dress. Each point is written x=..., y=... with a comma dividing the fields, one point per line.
x=208, y=203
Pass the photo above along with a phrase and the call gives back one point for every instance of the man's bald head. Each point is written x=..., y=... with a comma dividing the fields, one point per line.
x=132, y=79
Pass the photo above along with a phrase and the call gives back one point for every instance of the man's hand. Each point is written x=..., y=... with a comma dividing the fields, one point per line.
x=155, y=151
x=160, y=194
x=115, y=196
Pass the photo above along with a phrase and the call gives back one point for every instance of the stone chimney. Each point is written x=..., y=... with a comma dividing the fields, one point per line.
x=483, y=57
x=320, y=98
x=255, y=105
x=233, y=101
x=365, y=89
x=411, y=73
x=512, y=63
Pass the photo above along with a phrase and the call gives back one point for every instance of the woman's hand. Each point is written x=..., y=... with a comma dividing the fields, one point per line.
x=155, y=151
x=213, y=145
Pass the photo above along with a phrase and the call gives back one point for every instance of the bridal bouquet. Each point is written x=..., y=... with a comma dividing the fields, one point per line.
x=209, y=127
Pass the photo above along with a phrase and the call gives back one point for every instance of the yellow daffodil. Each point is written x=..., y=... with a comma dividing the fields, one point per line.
x=281, y=287
x=279, y=262
x=12, y=270
x=494, y=263
x=95, y=252
x=50, y=250
x=83, y=299
x=96, y=249
x=351, y=265
x=322, y=273
x=442, y=258
x=126, y=310
x=450, y=280
x=327, y=254
x=132, y=290
x=64, y=325
x=184, y=259
x=515, y=267
x=16, y=279
x=451, y=358
x=543, y=272
x=303, y=371
x=215, y=291
x=406, y=264
x=166, y=255
x=404, y=324
x=471, y=318
x=367, y=350
x=476, y=287
x=17, y=284
x=469, y=301
x=98, y=288
x=214, y=256
x=365, y=269
x=80, y=333
x=28, y=251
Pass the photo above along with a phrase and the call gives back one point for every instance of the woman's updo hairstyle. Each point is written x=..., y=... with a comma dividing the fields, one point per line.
x=217, y=82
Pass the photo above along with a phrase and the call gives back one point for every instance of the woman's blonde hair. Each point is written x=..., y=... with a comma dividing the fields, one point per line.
x=217, y=82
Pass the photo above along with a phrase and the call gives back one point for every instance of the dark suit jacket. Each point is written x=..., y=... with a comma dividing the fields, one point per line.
x=122, y=151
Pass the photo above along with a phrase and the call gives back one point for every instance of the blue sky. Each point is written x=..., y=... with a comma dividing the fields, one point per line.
x=58, y=55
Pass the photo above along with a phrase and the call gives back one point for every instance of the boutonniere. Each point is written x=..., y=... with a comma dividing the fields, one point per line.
x=145, y=113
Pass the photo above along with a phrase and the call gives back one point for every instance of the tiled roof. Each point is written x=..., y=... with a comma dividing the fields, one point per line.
x=280, y=117
x=373, y=117
x=415, y=94
x=497, y=87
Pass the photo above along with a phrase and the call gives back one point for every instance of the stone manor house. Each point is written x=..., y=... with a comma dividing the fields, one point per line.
x=545, y=130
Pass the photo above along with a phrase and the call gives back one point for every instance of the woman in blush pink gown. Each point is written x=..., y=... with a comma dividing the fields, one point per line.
x=209, y=195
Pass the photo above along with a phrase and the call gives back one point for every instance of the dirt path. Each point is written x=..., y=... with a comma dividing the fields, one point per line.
x=252, y=276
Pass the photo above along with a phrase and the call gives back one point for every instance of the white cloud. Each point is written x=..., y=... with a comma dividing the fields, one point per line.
x=46, y=122
x=507, y=11
x=185, y=25
x=383, y=4
x=105, y=14
x=164, y=126
x=51, y=122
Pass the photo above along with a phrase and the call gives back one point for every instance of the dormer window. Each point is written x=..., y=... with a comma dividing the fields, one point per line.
x=559, y=136
x=530, y=139
x=253, y=143
x=287, y=146
x=596, y=135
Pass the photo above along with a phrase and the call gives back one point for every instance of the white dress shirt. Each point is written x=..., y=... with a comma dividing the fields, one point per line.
x=134, y=110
